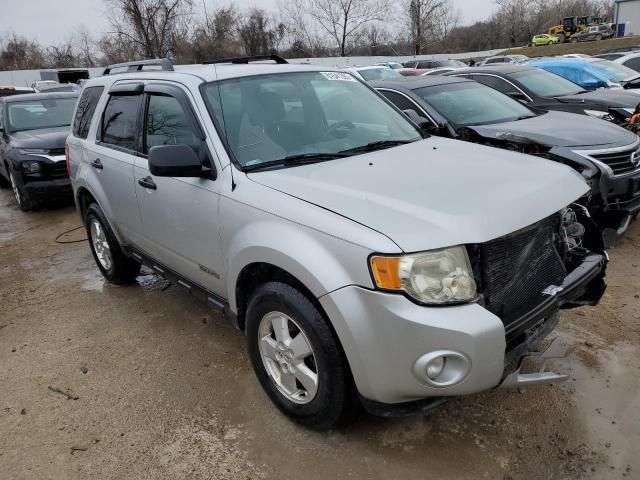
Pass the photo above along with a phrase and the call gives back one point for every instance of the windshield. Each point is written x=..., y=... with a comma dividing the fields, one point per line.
x=519, y=58
x=471, y=103
x=621, y=72
x=37, y=114
x=381, y=73
x=271, y=117
x=545, y=84
x=394, y=65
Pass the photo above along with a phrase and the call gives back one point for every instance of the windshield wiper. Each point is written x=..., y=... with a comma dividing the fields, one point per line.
x=379, y=145
x=297, y=159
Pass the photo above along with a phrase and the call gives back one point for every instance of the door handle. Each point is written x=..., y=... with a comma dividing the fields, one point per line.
x=147, y=182
x=97, y=164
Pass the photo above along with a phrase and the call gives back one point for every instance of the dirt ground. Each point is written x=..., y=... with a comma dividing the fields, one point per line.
x=161, y=388
x=590, y=48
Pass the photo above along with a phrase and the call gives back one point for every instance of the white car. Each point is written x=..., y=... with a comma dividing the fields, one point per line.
x=373, y=72
x=628, y=59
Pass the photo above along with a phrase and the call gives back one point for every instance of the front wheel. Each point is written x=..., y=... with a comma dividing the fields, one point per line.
x=598, y=37
x=297, y=358
x=115, y=266
x=574, y=40
x=21, y=197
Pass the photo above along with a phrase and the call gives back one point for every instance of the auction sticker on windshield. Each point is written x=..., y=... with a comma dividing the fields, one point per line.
x=338, y=76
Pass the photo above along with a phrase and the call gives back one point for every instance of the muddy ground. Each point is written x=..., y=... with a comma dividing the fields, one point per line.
x=161, y=388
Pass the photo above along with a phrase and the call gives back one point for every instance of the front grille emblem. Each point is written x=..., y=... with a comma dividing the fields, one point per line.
x=635, y=159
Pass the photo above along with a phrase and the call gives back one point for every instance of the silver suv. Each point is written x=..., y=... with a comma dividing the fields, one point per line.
x=366, y=264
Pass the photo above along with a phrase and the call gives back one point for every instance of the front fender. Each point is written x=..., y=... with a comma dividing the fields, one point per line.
x=321, y=262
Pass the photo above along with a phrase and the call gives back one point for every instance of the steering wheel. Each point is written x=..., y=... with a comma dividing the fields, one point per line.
x=338, y=126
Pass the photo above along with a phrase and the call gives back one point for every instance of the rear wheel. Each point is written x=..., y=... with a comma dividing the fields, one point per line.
x=598, y=37
x=574, y=40
x=297, y=358
x=112, y=262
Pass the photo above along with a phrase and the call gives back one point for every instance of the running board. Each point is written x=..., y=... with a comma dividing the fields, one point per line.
x=517, y=379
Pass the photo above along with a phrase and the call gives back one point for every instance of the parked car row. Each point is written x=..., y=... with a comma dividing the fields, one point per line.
x=331, y=219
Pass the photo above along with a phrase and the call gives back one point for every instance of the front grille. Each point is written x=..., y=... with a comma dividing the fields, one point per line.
x=619, y=162
x=515, y=270
x=56, y=170
x=56, y=151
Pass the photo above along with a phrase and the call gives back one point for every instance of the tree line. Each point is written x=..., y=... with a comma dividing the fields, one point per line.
x=190, y=32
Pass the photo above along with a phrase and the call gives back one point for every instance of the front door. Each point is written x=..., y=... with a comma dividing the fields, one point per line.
x=180, y=223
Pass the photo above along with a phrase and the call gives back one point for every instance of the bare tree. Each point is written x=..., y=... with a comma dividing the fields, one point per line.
x=342, y=20
x=421, y=16
x=256, y=35
x=150, y=25
x=20, y=53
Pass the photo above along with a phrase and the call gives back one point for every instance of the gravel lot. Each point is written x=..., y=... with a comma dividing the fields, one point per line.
x=161, y=387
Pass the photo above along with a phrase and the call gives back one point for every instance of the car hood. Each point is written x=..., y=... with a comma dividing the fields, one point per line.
x=617, y=98
x=434, y=193
x=48, y=138
x=560, y=129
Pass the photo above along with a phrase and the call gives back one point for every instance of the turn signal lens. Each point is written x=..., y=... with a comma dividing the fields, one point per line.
x=67, y=158
x=386, y=272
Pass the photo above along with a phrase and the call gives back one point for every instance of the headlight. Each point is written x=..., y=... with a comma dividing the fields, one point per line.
x=436, y=277
x=33, y=151
x=597, y=114
x=31, y=166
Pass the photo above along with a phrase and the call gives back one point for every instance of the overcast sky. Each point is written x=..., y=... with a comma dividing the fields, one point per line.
x=53, y=21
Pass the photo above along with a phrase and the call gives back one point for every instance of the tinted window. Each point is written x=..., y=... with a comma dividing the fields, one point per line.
x=270, y=117
x=85, y=110
x=38, y=114
x=494, y=82
x=119, y=121
x=168, y=124
x=425, y=65
x=633, y=64
x=400, y=101
x=470, y=103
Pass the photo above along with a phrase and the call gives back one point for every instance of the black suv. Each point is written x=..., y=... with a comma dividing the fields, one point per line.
x=33, y=130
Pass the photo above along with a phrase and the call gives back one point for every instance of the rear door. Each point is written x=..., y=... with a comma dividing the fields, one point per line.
x=180, y=226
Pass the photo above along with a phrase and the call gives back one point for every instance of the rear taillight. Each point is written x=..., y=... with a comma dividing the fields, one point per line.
x=67, y=158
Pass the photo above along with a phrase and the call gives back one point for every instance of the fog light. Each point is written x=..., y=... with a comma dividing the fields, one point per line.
x=435, y=367
x=442, y=368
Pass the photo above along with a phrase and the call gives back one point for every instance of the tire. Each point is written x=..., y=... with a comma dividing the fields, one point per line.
x=115, y=266
x=598, y=37
x=334, y=400
x=22, y=199
x=574, y=40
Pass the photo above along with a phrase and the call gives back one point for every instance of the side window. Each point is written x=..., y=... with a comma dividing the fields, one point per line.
x=86, y=108
x=633, y=63
x=168, y=124
x=494, y=82
x=119, y=121
x=400, y=101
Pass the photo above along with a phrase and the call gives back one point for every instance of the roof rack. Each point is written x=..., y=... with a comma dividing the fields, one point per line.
x=138, y=65
x=254, y=58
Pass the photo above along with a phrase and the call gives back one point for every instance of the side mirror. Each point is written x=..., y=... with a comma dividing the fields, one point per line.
x=174, y=161
x=521, y=97
x=422, y=122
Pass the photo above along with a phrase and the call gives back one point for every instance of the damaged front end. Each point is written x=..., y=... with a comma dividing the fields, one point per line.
x=525, y=278
x=612, y=174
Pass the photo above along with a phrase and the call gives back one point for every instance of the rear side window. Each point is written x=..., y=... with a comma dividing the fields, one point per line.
x=494, y=82
x=85, y=110
x=119, y=121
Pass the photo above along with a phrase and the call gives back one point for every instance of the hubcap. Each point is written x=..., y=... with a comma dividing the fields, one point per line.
x=288, y=357
x=100, y=244
x=16, y=192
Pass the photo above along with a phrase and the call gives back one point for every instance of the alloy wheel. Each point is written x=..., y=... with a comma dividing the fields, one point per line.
x=288, y=357
x=100, y=244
